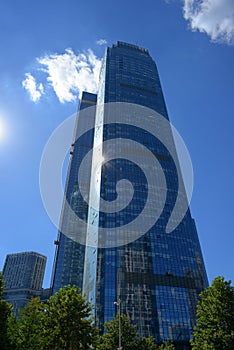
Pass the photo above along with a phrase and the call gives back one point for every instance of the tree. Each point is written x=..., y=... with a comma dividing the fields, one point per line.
x=214, y=328
x=5, y=312
x=129, y=339
x=110, y=340
x=167, y=345
x=145, y=344
x=62, y=323
x=68, y=322
x=27, y=331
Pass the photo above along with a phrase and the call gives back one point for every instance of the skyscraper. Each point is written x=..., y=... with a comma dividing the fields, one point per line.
x=156, y=273
x=23, y=274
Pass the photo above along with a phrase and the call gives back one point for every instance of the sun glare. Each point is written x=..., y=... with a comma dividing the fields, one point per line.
x=2, y=130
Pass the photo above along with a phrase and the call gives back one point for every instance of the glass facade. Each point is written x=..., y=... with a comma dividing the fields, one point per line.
x=70, y=255
x=23, y=274
x=158, y=276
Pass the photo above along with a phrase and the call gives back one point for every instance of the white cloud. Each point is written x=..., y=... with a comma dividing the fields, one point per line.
x=101, y=42
x=70, y=74
x=35, y=90
x=67, y=73
x=213, y=17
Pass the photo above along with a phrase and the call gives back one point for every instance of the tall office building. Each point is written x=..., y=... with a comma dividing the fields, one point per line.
x=158, y=275
x=23, y=274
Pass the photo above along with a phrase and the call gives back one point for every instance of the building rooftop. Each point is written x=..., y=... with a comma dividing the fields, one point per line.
x=132, y=46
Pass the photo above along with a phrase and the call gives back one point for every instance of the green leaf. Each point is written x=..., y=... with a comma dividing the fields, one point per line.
x=215, y=317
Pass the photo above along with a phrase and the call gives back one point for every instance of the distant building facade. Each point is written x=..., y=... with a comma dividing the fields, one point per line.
x=23, y=275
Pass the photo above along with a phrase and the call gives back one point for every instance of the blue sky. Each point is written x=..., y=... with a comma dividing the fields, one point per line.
x=50, y=51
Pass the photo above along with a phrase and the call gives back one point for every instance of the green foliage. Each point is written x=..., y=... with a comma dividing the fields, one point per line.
x=26, y=332
x=68, y=324
x=214, y=329
x=145, y=344
x=167, y=345
x=110, y=340
x=129, y=340
x=5, y=312
x=63, y=323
